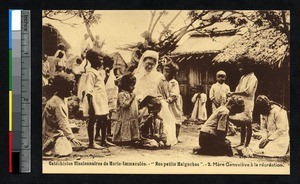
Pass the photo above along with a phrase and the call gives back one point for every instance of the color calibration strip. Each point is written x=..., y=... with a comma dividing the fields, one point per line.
x=19, y=71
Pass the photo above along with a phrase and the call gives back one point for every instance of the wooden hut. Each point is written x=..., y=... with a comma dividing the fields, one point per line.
x=194, y=58
x=119, y=62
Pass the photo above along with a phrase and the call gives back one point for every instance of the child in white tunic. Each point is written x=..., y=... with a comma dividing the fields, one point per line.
x=246, y=90
x=97, y=100
x=199, y=99
x=174, y=99
x=218, y=91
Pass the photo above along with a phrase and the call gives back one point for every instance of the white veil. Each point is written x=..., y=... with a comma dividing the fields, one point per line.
x=140, y=70
x=147, y=82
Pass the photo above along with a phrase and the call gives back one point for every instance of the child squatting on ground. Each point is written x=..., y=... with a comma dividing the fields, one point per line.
x=57, y=133
x=212, y=138
x=153, y=132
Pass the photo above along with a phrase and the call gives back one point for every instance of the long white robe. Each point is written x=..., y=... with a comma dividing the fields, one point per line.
x=199, y=111
x=147, y=83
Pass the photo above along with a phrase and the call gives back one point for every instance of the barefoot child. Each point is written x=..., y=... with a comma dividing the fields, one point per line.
x=127, y=125
x=153, y=129
x=112, y=91
x=174, y=99
x=97, y=100
x=246, y=90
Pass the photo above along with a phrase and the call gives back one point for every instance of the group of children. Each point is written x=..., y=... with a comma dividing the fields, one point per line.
x=237, y=107
x=217, y=94
x=104, y=99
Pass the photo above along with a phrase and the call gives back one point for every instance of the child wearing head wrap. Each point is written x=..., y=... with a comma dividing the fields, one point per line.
x=127, y=126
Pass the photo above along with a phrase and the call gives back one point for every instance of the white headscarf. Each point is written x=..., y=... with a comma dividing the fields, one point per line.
x=141, y=67
x=147, y=82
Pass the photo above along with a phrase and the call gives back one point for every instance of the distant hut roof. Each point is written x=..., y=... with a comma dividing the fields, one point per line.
x=119, y=60
x=268, y=46
x=201, y=43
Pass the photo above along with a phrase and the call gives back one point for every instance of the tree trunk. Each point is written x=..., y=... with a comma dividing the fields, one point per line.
x=88, y=28
x=168, y=25
x=285, y=26
x=151, y=21
x=154, y=25
x=89, y=31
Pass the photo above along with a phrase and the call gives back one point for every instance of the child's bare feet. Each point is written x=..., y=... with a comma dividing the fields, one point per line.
x=95, y=146
x=106, y=143
x=179, y=140
x=98, y=138
x=239, y=146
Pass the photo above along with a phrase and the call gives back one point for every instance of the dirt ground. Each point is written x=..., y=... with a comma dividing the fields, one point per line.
x=181, y=151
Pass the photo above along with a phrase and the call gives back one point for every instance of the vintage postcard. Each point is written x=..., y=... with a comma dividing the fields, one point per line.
x=166, y=91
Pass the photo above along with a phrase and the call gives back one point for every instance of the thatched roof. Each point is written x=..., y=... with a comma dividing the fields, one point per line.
x=200, y=44
x=59, y=36
x=267, y=46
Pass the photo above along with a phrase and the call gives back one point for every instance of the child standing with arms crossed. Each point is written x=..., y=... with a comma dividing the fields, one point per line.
x=97, y=100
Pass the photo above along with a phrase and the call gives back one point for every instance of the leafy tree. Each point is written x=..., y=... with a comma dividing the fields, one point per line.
x=200, y=20
x=88, y=17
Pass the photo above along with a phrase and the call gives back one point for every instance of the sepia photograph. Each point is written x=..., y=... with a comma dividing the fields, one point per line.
x=166, y=92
